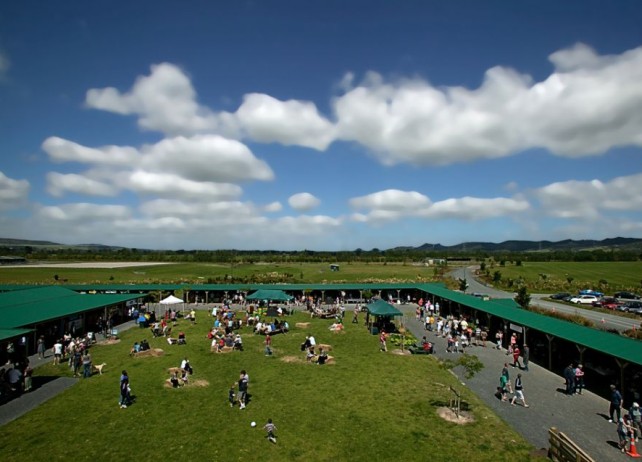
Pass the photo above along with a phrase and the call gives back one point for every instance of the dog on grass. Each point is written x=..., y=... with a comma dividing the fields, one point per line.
x=99, y=367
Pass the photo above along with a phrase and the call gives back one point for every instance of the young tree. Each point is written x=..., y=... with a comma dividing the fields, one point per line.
x=523, y=298
x=470, y=363
x=482, y=267
x=497, y=276
x=463, y=284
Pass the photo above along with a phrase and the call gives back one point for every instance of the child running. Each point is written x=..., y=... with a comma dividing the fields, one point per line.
x=270, y=428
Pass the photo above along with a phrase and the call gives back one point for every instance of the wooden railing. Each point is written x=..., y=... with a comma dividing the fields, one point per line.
x=564, y=450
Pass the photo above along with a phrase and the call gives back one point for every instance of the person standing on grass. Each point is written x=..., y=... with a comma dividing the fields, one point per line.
x=519, y=391
x=124, y=390
x=616, y=404
x=57, y=351
x=527, y=356
x=382, y=341
x=86, y=364
x=77, y=359
x=192, y=316
x=268, y=343
x=242, y=395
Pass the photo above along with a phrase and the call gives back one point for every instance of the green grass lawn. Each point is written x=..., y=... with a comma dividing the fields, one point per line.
x=370, y=406
x=586, y=275
x=194, y=273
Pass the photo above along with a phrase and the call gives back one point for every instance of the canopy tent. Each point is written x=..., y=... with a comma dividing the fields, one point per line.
x=381, y=308
x=270, y=295
x=171, y=300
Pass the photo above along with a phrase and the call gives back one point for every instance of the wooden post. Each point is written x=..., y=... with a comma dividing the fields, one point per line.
x=550, y=351
x=581, y=351
x=622, y=365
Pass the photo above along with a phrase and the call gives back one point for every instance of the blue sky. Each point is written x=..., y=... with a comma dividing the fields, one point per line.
x=319, y=125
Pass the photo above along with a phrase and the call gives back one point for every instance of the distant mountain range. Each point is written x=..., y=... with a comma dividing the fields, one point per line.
x=621, y=243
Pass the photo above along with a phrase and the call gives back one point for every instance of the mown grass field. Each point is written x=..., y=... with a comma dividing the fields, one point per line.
x=195, y=273
x=370, y=406
x=586, y=275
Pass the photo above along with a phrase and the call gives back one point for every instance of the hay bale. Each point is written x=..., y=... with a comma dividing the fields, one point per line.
x=171, y=370
x=324, y=346
x=302, y=325
x=330, y=360
x=153, y=353
x=292, y=359
x=109, y=342
x=199, y=383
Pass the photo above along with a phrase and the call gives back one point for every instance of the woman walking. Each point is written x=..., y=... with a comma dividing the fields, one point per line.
x=41, y=347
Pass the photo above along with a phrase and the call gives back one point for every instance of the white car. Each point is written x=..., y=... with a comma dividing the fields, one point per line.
x=584, y=299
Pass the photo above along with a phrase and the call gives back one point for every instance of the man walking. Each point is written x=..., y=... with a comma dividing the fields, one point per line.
x=242, y=395
x=569, y=375
x=616, y=404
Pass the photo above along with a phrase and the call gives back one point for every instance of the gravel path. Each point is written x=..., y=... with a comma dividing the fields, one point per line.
x=581, y=417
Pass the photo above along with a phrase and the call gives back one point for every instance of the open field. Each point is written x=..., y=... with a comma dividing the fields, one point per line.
x=86, y=264
x=369, y=406
x=587, y=275
x=194, y=273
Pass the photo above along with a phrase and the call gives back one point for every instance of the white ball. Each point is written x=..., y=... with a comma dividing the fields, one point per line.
x=253, y=424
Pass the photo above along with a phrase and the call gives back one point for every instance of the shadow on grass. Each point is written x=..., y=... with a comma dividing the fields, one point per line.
x=464, y=405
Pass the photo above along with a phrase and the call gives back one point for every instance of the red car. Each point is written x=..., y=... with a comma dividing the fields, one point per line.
x=608, y=303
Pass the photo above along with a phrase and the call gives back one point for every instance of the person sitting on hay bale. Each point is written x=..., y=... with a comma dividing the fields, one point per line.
x=238, y=343
x=310, y=356
x=135, y=349
x=174, y=380
x=323, y=356
x=181, y=338
x=337, y=326
x=144, y=345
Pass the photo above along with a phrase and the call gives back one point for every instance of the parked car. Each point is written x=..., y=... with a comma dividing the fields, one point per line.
x=584, y=299
x=631, y=307
x=560, y=296
x=591, y=292
x=627, y=295
x=608, y=303
x=568, y=299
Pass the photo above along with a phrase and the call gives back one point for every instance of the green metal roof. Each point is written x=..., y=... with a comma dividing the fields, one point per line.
x=22, y=297
x=38, y=310
x=621, y=347
x=6, y=334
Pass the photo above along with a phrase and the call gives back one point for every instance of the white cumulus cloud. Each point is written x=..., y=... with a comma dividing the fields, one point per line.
x=587, y=199
x=13, y=193
x=474, y=208
x=391, y=200
x=590, y=104
x=164, y=101
x=266, y=119
x=303, y=202
x=58, y=184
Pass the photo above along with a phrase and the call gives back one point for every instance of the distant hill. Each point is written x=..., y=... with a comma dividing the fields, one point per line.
x=623, y=243
x=22, y=243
